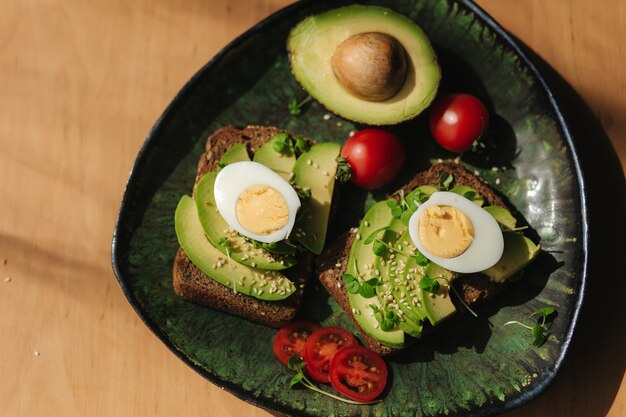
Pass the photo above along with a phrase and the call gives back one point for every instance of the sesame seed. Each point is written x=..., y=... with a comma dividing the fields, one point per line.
x=338, y=265
x=326, y=173
x=315, y=165
x=253, y=264
x=338, y=284
x=497, y=181
x=36, y=353
x=358, y=236
x=8, y=279
x=309, y=162
x=326, y=117
x=476, y=173
x=494, y=169
x=339, y=124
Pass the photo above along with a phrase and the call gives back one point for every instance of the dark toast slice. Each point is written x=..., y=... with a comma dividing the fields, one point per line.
x=194, y=285
x=332, y=264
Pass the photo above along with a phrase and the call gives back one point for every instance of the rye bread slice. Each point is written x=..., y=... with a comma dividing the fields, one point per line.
x=473, y=288
x=195, y=286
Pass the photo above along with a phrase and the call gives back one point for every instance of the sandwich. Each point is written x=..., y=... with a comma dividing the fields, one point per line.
x=395, y=278
x=258, y=214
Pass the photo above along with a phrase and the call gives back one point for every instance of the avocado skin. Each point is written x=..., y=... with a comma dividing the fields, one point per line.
x=317, y=37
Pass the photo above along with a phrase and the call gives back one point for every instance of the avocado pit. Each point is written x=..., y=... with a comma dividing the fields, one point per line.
x=371, y=65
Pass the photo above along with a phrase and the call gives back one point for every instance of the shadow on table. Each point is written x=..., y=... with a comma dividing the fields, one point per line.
x=594, y=367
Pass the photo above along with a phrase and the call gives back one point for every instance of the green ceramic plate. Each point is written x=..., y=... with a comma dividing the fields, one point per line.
x=473, y=367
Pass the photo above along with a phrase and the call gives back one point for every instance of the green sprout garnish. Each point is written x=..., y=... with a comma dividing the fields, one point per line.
x=540, y=331
x=297, y=364
x=386, y=319
x=295, y=106
x=282, y=142
x=429, y=284
x=445, y=180
x=344, y=171
x=367, y=289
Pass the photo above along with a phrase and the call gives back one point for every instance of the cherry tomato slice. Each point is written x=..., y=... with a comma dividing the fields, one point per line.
x=290, y=339
x=320, y=348
x=457, y=120
x=358, y=373
x=375, y=156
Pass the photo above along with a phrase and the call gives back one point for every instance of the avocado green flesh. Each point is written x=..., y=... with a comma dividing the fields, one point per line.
x=237, y=153
x=502, y=216
x=264, y=285
x=216, y=228
x=315, y=170
x=280, y=162
x=519, y=251
x=399, y=288
x=312, y=43
x=438, y=306
x=360, y=264
x=462, y=190
x=392, y=272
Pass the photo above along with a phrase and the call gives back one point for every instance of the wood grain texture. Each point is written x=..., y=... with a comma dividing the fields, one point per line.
x=82, y=84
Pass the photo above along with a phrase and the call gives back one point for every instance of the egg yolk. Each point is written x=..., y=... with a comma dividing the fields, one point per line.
x=261, y=210
x=445, y=231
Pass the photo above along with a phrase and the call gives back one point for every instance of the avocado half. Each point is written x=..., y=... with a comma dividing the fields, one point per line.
x=312, y=43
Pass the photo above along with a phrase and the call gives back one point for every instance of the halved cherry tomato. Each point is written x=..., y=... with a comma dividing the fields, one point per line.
x=375, y=157
x=320, y=348
x=457, y=120
x=358, y=373
x=290, y=340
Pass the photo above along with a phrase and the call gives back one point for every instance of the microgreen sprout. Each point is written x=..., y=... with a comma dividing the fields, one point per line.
x=386, y=319
x=367, y=289
x=540, y=331
x=344, y=171
x=297, y=364
x=282, y=142
x=429, y=284
x=445, y=180
x=295, y=106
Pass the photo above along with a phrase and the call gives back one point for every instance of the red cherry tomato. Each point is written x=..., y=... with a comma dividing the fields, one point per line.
x=320, y=348
x=290, y=340
x=457, y=120
x=375, y=156
x=358, y=373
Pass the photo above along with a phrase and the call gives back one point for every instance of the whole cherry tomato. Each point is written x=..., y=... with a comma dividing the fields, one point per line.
x=457, y=120
x=375, y=156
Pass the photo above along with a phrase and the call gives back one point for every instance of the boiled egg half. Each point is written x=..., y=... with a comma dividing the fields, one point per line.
x=255, y=201
x=456, y=234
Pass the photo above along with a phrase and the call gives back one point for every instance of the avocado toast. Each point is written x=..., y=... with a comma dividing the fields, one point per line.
x=220, y=269
x=416, y=311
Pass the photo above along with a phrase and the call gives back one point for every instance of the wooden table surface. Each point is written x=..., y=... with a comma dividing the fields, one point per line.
x=81, y=84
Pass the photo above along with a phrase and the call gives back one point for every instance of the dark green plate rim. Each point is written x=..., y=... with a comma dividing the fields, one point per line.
x=120, y=234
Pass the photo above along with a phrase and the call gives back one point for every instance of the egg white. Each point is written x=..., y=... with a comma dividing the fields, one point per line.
x=234, y=178
x=488, y=243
